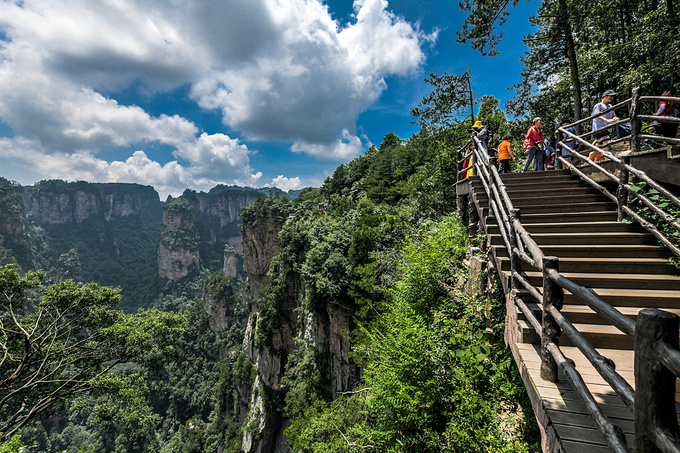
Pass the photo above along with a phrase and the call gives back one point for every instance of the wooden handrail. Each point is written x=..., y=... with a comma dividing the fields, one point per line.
x=602, y=364
x=611, y=109
x=523, y=249
x=613, y=434
x=592, y=300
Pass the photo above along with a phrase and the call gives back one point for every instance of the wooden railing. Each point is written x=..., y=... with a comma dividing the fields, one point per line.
x=657, y=355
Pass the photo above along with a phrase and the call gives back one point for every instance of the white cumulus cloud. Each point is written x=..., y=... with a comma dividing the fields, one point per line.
x=276, y=70
x=285, y=184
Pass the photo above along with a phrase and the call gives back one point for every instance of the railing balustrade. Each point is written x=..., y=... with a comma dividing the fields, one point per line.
x=657, y=355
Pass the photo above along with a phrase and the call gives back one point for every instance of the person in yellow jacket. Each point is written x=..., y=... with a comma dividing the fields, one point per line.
x=504, y=154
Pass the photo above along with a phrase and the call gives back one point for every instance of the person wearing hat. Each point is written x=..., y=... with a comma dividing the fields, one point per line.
x=533, y=145
x=479, y=131
x=603, y=120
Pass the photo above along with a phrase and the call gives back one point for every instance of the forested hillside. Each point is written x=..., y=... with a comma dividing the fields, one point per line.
x=116, y=234
x=352, y=328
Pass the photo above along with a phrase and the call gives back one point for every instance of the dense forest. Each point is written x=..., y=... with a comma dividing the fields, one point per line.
x=359, y=334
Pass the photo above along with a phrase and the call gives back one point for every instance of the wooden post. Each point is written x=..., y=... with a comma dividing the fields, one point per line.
x=473, y=158
x=553, y=296
x=473, y=219
x=462, y=207
x=635, y=123
x=621, y=192
x=654, y=384
x=459, y=164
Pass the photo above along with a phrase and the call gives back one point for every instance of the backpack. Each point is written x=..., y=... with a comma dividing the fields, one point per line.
x=672, y=109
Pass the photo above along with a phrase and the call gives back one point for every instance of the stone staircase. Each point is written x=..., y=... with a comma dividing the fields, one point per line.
x=621, y=262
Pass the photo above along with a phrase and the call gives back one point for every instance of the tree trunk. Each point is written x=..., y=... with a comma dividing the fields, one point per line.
x=472, y=100
x=570, y=52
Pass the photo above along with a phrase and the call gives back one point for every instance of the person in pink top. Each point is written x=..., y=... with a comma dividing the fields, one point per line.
x=668, y=108
x=533, y=145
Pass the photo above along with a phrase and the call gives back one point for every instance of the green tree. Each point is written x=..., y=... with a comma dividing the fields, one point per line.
x=482, y=26
x=452, y=98
x=69, y=342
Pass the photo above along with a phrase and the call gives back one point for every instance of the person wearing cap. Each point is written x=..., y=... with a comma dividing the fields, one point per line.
x=533, y=145
x=603, y=120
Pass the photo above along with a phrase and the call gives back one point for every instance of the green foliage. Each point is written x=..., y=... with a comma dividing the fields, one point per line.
x=433, y=382
x=302, y=380
x=181, y=238
x=482, y=27
x=12, y=445
x=180, y=205
x=452, y=98
x=661, y=222
x=277, y=207
x=68, y=342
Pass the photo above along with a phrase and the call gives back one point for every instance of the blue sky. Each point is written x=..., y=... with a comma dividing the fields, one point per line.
x=189, y=94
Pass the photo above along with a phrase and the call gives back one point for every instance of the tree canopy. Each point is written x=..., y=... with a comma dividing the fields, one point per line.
x=68, y=341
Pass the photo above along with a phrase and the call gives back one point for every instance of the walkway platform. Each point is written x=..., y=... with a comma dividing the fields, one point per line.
x=621, y=262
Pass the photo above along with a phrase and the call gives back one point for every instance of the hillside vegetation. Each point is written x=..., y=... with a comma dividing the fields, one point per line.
x=388, y=245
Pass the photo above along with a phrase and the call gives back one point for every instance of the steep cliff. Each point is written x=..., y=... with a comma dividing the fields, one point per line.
x=178, y=252
x=60, y=202
x=284, y=336
x=107, y=233
x=197, y=226
x=14, y=242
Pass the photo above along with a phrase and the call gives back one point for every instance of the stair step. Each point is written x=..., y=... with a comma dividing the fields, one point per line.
x=606, y=215
x=537, y=177
x=599, y=336
x=550, y=199
x=586, y=239
x=608, y=265
x=562, y=208
x=582, y=314
x=616, y=297
x=565, y=191
x=620, y=281
x=583, y=227
x=547, y=200
x=605, y=251
x=575, y=227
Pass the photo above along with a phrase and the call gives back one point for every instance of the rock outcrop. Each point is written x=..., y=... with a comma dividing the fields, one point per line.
x=178, y=251
x=60, y=202
x=272, y=340
x=196, y=228
x=14, y=242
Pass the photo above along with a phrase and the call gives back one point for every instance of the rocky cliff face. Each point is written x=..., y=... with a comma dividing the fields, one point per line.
x=271, y=343
x=195, y=234
x=14, y=243
x=59, y=202
x=106, y=233
x=178, y=252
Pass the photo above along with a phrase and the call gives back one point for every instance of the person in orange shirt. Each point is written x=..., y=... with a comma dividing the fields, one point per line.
x=504, y=154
